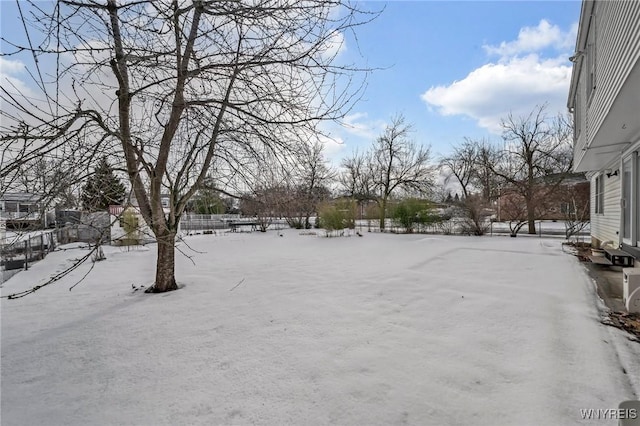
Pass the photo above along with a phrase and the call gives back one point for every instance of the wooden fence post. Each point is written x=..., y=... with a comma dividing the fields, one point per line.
x=26, y=255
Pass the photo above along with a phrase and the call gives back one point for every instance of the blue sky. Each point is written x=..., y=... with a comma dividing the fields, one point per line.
x=452, y=68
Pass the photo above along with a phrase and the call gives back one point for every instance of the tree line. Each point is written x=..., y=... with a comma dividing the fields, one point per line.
x=189, y=100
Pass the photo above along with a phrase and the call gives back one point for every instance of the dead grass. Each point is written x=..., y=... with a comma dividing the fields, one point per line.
x=624, y=321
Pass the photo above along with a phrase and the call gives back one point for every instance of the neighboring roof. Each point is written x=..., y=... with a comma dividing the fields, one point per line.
x=21, y=197
x=567, y=178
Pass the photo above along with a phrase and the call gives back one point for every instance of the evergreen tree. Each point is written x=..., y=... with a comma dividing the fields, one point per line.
x=102, y=189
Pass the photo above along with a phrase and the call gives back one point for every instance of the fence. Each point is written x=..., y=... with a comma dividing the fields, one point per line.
x=92, y=227
x=460, y=227
x=18, y=251
x=205, y=222
x=81, y=234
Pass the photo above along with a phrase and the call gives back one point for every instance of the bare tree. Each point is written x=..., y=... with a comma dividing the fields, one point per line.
x=53, y=182
x=513, y=209
x=536, y=158
x=475, y=215
x=394, y=163
x=460, y=165
x=575, y=207
x=356, y=177
x=173, y=88
x=399, y=164
x=484, y=178
x=264, y=203
x=310, y=184
x=471, y=164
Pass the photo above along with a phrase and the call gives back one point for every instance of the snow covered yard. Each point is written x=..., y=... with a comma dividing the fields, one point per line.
x=384, y=329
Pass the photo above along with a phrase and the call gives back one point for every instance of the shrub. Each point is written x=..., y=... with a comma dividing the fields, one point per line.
x=475, y=216
x=338, y=215
x=411, y=212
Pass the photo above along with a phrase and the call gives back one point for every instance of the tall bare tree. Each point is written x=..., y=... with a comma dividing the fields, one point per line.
x=536, y=158
x=312, y=179
x=394, y=163
x=460, y=165
x=470, y=164
x=575, y=207
x=173, y=88
x=485, y=180
x=356, y=177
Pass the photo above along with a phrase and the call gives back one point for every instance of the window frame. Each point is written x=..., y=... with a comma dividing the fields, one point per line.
x=599, y=194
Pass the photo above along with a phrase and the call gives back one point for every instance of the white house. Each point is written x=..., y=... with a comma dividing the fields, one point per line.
x=128, y=226
x=19, y=209
x=137, y=228
x=604, y=98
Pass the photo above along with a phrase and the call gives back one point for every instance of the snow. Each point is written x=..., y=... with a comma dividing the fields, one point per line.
x=302, y=329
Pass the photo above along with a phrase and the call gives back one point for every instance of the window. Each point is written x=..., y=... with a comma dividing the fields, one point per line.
x=11, y=206
x=599, y=189
x=27, y=208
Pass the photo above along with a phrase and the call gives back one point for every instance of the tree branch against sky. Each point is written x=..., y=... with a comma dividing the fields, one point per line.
x=393, y=164
x=168, y=87
x=461, y=165
x=521, y=61
x=536, y=158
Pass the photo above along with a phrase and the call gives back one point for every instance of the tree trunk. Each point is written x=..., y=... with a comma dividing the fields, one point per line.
x=531, y=217
x=383, y=213
x=165, y=265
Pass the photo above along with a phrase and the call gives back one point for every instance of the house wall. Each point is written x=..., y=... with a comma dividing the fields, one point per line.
x=605, y=226
x=605, y=96
x=118, y=233
x=608, y=47
x=143, y=234
x=617, y=30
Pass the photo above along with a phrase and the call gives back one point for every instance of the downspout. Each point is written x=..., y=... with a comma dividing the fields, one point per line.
x=634, y=201
x=622, y=201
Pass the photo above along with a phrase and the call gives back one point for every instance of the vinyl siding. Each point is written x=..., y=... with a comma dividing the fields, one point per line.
x=580, y=125
x=617, y=50
x=605, y=226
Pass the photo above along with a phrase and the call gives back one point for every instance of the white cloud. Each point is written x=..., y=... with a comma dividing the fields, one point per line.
x=493, y=90
x=8, y=66
x=358, y=124
x=535, y=39
x=334, y=45
x=516, y=83
x=12, y=74
x=332, y=146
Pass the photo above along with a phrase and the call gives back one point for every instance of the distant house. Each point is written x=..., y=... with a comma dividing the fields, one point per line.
x=560, y=204
x=128, y=225
x=21, y=209
x=604, y=98
x=572, y=194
